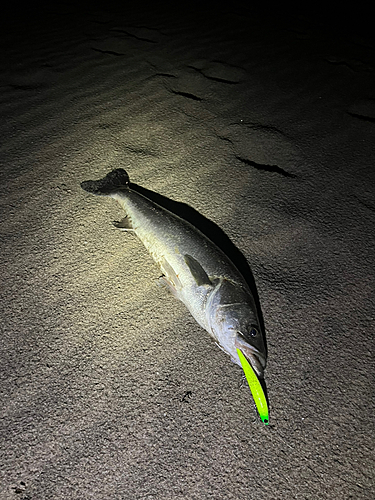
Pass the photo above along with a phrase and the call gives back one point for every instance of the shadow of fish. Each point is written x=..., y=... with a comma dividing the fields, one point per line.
x=194, y=269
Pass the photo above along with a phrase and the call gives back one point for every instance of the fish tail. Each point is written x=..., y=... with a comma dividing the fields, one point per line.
x=114, y=181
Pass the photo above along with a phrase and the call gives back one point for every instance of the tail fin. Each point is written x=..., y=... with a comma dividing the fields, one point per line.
x=114, y=181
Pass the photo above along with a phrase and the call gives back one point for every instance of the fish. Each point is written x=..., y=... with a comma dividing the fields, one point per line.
x=194, y=269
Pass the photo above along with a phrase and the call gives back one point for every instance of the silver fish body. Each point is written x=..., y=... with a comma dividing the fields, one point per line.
x=196, y=271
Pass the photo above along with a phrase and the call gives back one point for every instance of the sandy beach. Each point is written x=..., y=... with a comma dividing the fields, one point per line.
x=260, y=127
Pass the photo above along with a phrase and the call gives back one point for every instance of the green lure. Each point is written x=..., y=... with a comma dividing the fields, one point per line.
x=255, y=388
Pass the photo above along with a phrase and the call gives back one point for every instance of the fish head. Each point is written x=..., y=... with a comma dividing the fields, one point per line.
x=234, y=323
x=250, y=341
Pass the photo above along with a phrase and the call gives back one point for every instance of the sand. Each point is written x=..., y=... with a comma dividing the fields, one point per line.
x=265, y=126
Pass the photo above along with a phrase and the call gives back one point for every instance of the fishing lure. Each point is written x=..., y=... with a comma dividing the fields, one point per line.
x=255, y=388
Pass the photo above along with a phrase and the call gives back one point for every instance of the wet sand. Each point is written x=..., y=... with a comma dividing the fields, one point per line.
x=264, y=126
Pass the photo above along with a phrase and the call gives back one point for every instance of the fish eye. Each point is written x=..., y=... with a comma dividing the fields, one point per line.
x=253, y=331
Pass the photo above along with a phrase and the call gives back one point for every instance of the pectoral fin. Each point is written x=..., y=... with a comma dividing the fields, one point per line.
x=199, y=274
x=170, y=276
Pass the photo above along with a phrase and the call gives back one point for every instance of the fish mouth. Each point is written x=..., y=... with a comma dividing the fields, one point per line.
x=257, y=362
x=256, y=359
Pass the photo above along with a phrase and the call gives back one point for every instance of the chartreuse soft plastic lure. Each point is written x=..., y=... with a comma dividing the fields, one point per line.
x=255, y=388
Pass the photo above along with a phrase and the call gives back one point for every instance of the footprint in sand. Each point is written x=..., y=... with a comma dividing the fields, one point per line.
x=350, y=63
x=363, y=109
x=219, y=71
x=32, y=79
x=193, y=85
x=123, y=40
x=262, y=147
x=141, y=33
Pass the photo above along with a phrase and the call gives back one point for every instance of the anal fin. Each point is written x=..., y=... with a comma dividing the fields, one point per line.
x=124, y=224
